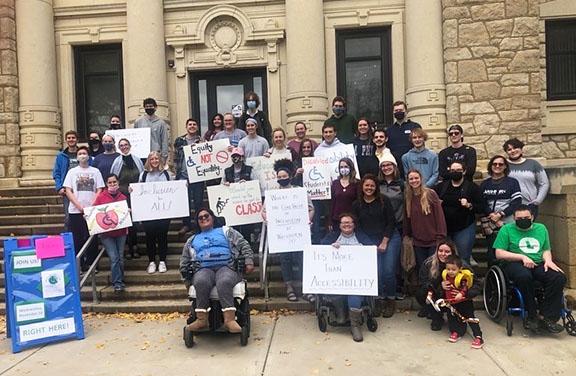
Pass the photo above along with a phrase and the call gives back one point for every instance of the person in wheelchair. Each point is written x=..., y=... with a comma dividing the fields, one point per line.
x=348, y=235
x=524, y=246
x=209, y=259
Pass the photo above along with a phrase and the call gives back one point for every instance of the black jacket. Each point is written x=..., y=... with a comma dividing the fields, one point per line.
x=245, y=173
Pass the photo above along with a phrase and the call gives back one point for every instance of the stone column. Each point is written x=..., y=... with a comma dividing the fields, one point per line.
x=146, y=57
x=40, y=126
x=306, y=65
x=426, y=92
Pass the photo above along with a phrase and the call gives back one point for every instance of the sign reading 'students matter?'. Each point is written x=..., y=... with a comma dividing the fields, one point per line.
x=239, y=203
x=288, y=221
x=139, y=140
x=207, y=160
x=317, y=177
x=348, y=270
x=159, y=200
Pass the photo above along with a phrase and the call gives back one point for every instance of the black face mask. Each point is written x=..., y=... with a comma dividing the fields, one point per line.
x=456, y=175
x=150, y=111
x=93, y=143
x=115, y=126
x=399, y=115
x=283, y=182
x=524, y=223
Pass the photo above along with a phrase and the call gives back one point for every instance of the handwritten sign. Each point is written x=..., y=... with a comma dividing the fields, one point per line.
x=158, y=200
x=317, y=177
x=263, y=170
x=348, y=270
x=334, y=154
x=288, y=221
x=107, y=217
x=207, y=160
x=139, y=140
x=239, y=203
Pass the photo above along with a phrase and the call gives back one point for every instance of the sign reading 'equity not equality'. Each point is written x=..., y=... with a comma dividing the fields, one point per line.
x=207, y=160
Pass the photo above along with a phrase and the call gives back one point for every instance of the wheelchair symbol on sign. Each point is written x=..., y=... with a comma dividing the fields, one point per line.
x=190, y=162
x=315, y=175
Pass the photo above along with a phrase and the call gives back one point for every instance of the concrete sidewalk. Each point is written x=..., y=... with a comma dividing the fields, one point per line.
x=292, y=345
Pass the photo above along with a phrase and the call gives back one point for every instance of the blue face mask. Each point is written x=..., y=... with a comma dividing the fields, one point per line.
x=338, y=110
x=251, y=104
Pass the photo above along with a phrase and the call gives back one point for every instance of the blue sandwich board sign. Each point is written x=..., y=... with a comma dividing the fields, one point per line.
x=42, y=291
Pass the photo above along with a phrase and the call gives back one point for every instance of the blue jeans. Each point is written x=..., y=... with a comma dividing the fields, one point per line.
x=387, y=263
x=421, y=254
x=354, y=301
x=464, y=240
x=115, y=249
x=287, y=262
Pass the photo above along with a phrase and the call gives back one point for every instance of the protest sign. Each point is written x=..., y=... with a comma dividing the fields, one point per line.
x=263, y=170
x=239, y=203
x=207, y=160
x=288, y=220
x=334, y=154
x=317, y=177
x=348, y=270
x=139, y=140
x=107, y=217
x=158, y=200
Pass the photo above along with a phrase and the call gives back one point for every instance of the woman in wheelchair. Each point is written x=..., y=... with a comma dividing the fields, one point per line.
x=430, y=281
x=524, y=246
x=209, y=259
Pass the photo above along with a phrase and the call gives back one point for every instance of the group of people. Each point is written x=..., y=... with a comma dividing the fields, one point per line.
x=402, y=194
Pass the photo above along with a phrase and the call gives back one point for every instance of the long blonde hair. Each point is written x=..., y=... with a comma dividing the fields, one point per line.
x=147, y=165
x=421, y=191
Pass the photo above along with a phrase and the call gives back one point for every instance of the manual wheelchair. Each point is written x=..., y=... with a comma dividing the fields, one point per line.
x=502, y=298
x=325, y=312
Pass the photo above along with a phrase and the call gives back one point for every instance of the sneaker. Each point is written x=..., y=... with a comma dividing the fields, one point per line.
x=552, y=326
x=162, y=267
x=151, y=268
x=477, y=343
x=454, y=337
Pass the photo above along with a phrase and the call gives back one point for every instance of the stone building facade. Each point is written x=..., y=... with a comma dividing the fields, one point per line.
x=479, y=63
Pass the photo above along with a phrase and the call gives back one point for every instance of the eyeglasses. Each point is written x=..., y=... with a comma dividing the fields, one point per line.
x=498, y=164
x=203, y=217
x=454, y=133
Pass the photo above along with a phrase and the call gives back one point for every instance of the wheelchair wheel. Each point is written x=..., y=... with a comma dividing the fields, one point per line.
x=244, y=335
x=371, y=323
x=509, y=325
x=322, y=322
x=188, y=338
x=495, y=299
x=569, y=324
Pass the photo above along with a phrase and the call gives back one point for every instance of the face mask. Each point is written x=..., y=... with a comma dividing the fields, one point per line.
x=115, y=126
x=399, y=115
x=283, y=182
x=108, y=147
x=82, y=158
x=113, y=190
x=93, y=143
x=150, y=111
x=338, y=110
x=236, y=159
x=524, y=223
x=344, y=171
x=251, y=104
x=456, y=175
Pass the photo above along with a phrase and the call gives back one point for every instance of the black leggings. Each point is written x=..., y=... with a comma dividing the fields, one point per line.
x=156, y=232
x=466, y=309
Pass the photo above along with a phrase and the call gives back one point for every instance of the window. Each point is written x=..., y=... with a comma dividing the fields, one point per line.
x=99, y=88
x=561, y=59
x=364, y=73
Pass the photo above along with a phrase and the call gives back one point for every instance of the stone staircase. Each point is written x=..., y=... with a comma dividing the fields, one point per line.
x=38, y=211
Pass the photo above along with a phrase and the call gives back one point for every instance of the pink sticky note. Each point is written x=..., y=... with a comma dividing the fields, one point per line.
x=49, y=247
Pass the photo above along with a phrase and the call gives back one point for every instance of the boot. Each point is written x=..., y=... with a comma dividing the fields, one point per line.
x=201, y=322
x=356, y=325
x=339, y=310
x=230, y=320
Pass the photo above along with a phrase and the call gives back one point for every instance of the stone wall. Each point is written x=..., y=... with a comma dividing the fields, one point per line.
x=492, y=72
x=10, y=160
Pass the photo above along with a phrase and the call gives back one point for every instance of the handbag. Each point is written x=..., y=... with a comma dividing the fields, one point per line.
x=407, y=256
x=489, y=227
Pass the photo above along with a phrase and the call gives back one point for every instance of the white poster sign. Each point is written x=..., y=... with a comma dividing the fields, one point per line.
x=263, y=170
x=139, y=140
x=207, y=160
x=46, y=329
x=348, y=270
x=159, y=200
x=30, y=311
x=317, y=177
x=288, y=220
x=239, y=203
x=107, y=217
x=334, y=154
x=53, y=284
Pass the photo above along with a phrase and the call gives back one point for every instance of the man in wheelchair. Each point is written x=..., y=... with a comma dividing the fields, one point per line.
x=524, y=246
x=209, y=259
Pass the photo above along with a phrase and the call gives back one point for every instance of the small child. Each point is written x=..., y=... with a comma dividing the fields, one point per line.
x=456, y=282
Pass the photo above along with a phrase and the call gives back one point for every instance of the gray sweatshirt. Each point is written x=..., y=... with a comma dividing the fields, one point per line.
x=159, y=133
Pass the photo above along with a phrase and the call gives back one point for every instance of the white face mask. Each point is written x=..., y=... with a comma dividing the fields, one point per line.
x=82, y=158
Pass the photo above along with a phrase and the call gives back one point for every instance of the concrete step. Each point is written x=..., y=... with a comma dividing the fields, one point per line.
x=30, y=200
x=27, y=191
x=32, y=220
x=30, y=209
x=25, y=230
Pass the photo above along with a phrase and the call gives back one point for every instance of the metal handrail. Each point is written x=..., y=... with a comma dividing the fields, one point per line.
x=91, y=273
x=263, y=256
